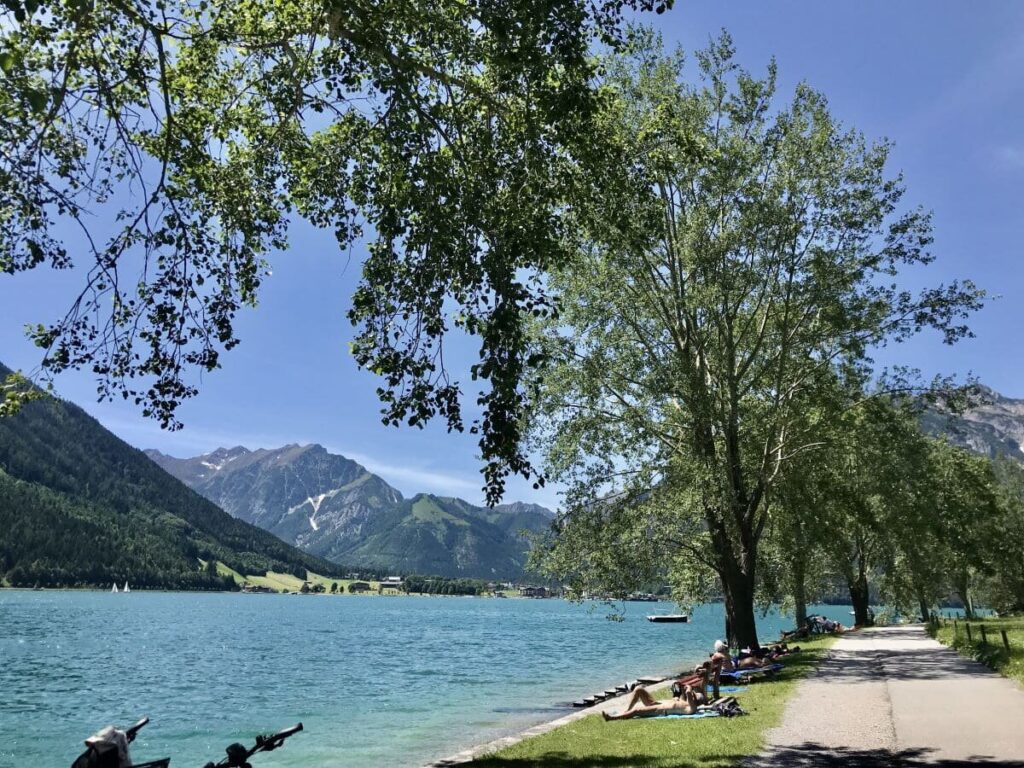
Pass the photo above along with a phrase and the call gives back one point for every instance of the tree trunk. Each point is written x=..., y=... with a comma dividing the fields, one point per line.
x=859, y=598
x=799, y=592
x=739, y=609
x=926, y=611
x=963, y=588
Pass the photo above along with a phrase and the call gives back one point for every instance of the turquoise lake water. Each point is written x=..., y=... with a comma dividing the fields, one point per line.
x=377, y=681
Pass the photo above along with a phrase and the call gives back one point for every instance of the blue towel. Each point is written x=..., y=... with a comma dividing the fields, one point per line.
x=694, y=716
x=740, y=673
x=732, y=689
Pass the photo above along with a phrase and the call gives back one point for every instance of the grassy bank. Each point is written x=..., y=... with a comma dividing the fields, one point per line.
x=991, y=653
x=666, y=743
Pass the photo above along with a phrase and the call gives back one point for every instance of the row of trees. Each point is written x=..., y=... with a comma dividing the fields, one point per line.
x=678, y=285
x=931, y=521
x=710, y=400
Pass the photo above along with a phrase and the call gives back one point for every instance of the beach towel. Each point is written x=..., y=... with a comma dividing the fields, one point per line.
x=727, y=707
x=739, y=674
x=732, y=688
x=695, y=716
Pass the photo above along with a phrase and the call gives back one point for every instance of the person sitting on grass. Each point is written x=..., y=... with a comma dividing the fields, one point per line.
x=721, y=657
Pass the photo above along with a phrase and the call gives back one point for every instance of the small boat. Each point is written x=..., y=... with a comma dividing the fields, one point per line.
x=126, y=589
x=114, y=589
x=667, y=617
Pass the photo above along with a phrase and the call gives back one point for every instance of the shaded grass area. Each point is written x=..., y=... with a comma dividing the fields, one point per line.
x=667, y=743
x=991, y=653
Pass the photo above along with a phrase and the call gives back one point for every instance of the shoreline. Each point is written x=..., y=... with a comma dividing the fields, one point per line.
x=470, y=754
x=817, y=654
x=163, y=590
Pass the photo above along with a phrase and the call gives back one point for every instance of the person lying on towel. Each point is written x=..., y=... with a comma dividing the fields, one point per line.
x=724, y=660
x=642, y=704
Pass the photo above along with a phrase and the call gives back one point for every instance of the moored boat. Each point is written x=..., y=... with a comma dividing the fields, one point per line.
x=670, y=617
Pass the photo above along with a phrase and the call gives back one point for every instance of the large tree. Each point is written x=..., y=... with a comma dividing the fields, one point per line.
x=740, y=257
x=162, y=148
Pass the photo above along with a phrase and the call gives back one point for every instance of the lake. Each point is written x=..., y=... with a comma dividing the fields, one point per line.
x=377, y=681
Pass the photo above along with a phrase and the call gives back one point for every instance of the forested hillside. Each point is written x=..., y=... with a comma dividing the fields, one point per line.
x=446, y=537
x=80, y=506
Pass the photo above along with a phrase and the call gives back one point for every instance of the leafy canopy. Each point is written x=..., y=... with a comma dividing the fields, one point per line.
x=740, y=260
x=163, y=146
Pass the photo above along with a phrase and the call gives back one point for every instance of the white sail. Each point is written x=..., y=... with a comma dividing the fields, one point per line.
x=114, y=589
x=126, y=587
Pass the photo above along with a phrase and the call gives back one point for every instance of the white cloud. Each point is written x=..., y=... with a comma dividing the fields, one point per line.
x=416, y=479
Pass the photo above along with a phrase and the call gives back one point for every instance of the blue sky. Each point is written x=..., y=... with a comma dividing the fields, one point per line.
x=943, y=80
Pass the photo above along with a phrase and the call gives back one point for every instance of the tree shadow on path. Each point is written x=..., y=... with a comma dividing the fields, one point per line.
x=859, y=663
x=811, y=755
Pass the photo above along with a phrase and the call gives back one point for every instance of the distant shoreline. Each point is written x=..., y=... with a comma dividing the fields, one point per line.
x=135, y=590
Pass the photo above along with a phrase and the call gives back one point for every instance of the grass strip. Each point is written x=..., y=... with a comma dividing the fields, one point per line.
x=992, y=653
x=667, y=743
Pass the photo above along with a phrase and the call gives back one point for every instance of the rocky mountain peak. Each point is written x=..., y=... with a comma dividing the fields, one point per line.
x=993, y=427
x=332, y=506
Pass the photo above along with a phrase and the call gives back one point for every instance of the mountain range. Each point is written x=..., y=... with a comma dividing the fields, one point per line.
x=994, y=427
x=332, y=507
x=79, y=506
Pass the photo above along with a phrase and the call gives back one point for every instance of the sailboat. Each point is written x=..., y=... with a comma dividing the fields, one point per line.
x=114, y=589
x=126, y=589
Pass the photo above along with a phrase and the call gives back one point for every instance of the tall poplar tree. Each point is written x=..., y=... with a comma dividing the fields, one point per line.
x=740, y=256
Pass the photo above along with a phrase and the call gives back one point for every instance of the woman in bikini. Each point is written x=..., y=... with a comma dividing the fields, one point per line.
x=642, y=704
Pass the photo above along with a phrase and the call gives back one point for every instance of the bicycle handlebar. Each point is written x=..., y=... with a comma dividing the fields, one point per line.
x=282, y=735
x=239, y=754
x=132, y=731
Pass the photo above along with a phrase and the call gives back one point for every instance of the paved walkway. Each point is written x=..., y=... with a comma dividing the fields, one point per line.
x=894, y=697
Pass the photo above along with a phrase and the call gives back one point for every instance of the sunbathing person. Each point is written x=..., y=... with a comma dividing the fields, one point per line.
x=782, y=649
x=642, y=704
x=803, y=633
x=697, y=682
x=721, y=658
x=752, y=662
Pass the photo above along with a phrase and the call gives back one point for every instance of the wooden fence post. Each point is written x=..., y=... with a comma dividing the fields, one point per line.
x=956, y=629
x=984, y=639
x=1006, y=640
x=969, y=638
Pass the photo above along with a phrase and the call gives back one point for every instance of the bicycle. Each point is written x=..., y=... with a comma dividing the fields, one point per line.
x=109, y=749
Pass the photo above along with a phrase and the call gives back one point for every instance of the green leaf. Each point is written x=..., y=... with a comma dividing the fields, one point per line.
x=37, y=100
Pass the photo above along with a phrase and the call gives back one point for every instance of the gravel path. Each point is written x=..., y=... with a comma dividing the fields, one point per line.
x=894, y=697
